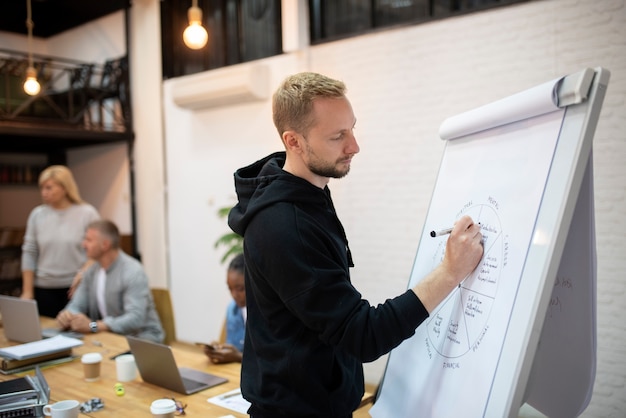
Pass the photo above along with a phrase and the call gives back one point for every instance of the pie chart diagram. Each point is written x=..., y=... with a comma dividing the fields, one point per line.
x=460, y=322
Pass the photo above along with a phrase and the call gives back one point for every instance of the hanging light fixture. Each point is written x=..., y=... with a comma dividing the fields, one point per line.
x=31, y=85
x=195, y=35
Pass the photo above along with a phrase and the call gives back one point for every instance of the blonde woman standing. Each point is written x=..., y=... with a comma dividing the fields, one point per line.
x=52, y=253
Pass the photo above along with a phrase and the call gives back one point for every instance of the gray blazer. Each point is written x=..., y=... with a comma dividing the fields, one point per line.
x=129, y=304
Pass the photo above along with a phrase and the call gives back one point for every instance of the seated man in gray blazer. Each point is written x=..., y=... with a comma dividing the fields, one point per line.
x=114, y=294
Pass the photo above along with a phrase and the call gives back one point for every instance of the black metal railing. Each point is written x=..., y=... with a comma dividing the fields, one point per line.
x=90, y=96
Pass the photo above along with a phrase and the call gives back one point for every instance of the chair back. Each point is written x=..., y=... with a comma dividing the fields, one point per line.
x=163, y=304
x=80, y=77
x=114, y=81
x=115, y=84
x=222, y=339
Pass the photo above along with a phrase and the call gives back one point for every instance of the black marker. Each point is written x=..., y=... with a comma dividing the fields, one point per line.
x=443, y=232
x=440, y=233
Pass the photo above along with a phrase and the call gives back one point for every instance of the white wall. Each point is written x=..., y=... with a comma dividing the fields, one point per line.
x=101, y=173
x=95, y=41
x=403, y=83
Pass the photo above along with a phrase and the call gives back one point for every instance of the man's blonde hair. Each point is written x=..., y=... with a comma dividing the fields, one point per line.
x=292, y=103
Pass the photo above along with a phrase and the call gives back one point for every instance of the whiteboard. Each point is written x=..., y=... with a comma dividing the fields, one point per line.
x=515, y=166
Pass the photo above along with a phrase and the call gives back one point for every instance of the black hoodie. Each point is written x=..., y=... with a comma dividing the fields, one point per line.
x=308, y=329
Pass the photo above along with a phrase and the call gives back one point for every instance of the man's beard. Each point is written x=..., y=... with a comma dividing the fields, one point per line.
x=328, y=170
x=323, y=168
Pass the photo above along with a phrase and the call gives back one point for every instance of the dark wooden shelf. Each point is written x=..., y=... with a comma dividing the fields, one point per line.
x=50, y=137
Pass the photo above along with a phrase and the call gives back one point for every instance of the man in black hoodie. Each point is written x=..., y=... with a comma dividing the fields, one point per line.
x=308, y=330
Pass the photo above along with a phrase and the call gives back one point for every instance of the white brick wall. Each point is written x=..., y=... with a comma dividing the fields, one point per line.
x=403, y=83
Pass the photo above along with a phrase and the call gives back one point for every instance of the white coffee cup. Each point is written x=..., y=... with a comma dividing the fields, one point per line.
x=163, y=408
x=62, y=409
x=91, y=366
x=125, y=367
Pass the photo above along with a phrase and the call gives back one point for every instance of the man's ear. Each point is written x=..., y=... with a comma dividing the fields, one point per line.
x=105, y=244
x=292, y=139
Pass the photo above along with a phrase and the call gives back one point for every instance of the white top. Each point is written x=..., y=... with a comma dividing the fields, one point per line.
x=100, y=291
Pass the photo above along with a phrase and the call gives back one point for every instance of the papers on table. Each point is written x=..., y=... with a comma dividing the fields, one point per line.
x=231, y=400
x=41, y=347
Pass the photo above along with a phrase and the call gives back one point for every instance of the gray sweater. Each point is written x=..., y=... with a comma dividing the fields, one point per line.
x=53, y=243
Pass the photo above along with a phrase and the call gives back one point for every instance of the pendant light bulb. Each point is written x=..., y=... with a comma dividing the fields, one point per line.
x=195, y=35
x=31, y=85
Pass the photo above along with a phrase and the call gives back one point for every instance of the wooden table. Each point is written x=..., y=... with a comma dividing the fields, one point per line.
x=66, y=381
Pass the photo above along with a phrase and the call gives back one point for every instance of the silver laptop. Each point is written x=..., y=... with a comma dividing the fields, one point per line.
x=20, y=320
x=156, y=365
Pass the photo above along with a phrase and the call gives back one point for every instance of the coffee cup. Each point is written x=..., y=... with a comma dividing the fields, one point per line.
x=62, y=409
x=91, y=366
x=163, y=408
x=125, y=367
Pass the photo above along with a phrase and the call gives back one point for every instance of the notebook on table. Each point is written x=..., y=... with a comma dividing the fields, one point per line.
x=20, y=320
x=156, y=365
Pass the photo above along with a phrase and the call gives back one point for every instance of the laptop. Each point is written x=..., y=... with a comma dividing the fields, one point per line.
x=157, y=366
x=20, y=320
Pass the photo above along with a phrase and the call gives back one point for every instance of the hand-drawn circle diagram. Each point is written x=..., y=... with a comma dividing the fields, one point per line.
x=460, y=322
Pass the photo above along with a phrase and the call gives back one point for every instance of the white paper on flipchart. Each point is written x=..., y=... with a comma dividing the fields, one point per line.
x=527, y=104
x=425, y=376
x=41, y=347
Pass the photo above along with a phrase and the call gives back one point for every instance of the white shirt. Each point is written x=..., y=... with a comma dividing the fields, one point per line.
x=101, y=279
